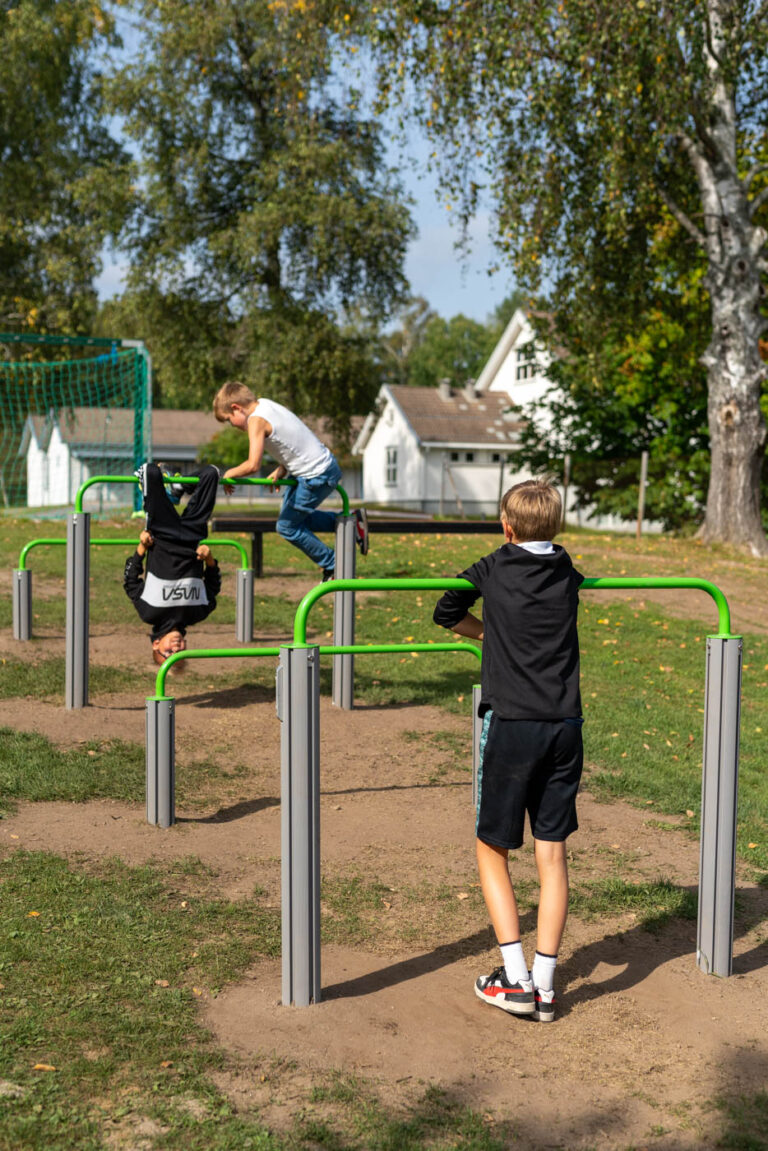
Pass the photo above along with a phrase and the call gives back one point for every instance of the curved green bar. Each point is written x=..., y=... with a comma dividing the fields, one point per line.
x=193, y=480
x=130, y=543
x=302, y=611
x=343, y=649
x=682, y=582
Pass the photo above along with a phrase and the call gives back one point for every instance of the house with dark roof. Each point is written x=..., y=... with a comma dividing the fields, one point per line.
x=65, y=448
x=445, y=450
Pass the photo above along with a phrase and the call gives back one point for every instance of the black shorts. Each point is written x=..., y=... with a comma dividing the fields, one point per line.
x=528, y=765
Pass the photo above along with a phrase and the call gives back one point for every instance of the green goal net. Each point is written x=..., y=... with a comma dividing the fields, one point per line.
x=70, y=408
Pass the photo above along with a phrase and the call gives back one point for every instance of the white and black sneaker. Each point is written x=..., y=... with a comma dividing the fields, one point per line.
x=361, y=530
x=141, y=476
x=544, y=1008
x=517, y=998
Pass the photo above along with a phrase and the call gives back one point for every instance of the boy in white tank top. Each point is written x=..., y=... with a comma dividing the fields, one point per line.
x=299, y=454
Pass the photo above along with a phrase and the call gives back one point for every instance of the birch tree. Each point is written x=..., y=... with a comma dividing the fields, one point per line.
x=581, y=119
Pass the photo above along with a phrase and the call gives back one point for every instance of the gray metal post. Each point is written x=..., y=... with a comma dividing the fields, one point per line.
x=76, y=642
x=343, y=688
x=719, y=789
x=477, y=729
x=298, y=708
x=22, y=604
x=244, y=606
x=161, y=762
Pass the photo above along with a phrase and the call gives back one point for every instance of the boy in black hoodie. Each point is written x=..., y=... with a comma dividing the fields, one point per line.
x=531, y=749
x=182, y=578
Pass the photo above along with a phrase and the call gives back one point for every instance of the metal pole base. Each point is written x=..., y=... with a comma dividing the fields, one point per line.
x=76, y=642
x=161, y=762
x=22, y=604
x=343, y=687
x=298, y=708
x=719, y=787
x=244, y=606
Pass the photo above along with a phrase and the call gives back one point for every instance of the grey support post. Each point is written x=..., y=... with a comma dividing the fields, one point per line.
x=78, y=576
x=477, y=730
x=298, y=708
x=161, y=762
x=343, y=688
x=22, y=604
x=244, y=606
x=720, y=770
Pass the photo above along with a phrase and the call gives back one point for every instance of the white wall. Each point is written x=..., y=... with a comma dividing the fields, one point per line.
x=393, y=431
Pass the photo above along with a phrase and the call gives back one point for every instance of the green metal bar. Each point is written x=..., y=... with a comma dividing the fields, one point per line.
x=131, y=543
x=337, y=649
x=681, y=582
x=314, y=594
x=61, y=341
x=193, y=480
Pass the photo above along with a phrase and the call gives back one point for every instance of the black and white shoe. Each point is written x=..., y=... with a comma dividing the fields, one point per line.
x=517, y=998
x=544, y=1009
x=361, y=530
x=141, y=476
x=328, y=574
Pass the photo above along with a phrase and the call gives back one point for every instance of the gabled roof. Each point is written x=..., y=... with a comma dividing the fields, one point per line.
x=449, y=416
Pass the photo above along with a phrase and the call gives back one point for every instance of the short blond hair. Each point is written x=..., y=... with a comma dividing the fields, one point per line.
x=533, y=509
x=233, y=392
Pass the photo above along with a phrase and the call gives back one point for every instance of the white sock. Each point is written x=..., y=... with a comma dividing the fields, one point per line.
x=543, y=971
x=514, y=961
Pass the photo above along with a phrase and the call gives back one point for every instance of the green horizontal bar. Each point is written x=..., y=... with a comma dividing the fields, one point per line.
x=333, y=649
x=129, y=543
x=290, y=483
x=683, y=583
x=596, y=583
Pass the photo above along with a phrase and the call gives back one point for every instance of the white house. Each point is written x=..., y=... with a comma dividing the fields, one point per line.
x=438, y=450
x=68, y=447
x=445, y=450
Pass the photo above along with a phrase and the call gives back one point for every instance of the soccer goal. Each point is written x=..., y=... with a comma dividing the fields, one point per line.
x=71, y=407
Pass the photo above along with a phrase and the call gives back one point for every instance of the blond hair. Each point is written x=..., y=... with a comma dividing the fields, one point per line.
x=228, y=394
x=533, y=510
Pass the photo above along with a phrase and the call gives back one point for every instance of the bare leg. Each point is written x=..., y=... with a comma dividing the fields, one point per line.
x=552, y=864
x=498, y=892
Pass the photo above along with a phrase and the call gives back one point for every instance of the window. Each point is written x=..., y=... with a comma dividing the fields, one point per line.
x=391, y=467
x=454, y=457
x=469, y=457
x=526, y=363
x=495, y=457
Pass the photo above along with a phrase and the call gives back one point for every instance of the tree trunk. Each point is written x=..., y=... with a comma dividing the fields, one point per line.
x=735, y=370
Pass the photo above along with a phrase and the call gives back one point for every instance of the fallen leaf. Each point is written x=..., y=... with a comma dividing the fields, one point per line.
x=162, y=983
x=689, y=813
x=462, y=895
x=197, y=991
x=752, y=845
x=43, y=1067
x=167, y=1063
x=32, y=914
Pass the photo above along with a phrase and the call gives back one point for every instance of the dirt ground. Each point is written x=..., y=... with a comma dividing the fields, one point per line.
x=643, y=1042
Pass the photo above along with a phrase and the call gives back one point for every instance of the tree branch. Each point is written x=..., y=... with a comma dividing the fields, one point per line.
x=755, y=170
x=682, y=218
x=757, y=203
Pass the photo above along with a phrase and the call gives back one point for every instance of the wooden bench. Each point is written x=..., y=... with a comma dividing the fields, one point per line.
x=256, y=526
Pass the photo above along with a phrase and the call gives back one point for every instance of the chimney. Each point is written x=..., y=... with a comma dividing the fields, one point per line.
x=444, y=389
x=469, y=391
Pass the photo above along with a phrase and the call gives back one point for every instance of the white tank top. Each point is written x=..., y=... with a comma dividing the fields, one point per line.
x=292, y=444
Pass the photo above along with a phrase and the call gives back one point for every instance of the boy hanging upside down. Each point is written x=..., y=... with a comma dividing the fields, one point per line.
x=182, y=578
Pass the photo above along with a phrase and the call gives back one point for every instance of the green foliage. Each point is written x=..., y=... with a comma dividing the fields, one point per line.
x=454, y=349
x=264, y=205
x=62, y=176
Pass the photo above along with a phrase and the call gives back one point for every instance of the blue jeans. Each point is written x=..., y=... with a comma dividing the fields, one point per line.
x=299, y=518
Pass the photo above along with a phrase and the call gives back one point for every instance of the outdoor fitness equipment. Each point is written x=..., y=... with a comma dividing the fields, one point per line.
x=22, y=585
x=77, y=605
x=298, y=695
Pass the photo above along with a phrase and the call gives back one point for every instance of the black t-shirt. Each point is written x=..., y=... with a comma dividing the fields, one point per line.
x=530, y=666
